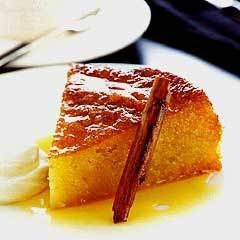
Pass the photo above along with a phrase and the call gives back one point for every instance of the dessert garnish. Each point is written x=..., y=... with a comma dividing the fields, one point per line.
x=142, y=148
x=23, y=172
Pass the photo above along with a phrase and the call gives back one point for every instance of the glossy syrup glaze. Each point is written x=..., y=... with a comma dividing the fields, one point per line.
x=100, y=101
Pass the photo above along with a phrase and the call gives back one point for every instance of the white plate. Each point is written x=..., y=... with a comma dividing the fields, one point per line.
x=29, y=102
x=119, y=23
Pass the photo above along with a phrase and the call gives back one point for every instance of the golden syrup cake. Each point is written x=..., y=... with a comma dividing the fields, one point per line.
x=101, y=109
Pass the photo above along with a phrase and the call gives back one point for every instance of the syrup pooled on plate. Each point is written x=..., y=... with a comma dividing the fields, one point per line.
x=150, y=204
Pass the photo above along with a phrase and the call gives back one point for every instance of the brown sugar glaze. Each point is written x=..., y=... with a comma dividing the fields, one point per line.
x=108, y=102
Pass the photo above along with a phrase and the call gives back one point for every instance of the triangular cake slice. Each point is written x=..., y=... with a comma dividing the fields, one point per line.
x=100, y=111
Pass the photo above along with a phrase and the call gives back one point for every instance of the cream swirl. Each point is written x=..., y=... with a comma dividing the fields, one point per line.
x=23, y=172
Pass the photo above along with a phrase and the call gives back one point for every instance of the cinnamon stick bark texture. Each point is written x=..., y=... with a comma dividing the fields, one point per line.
x=142, y=148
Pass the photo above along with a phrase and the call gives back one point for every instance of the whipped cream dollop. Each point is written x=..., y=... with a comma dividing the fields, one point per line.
x=23, y=172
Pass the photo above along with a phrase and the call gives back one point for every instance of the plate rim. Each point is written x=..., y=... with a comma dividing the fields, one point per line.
x=145, y=23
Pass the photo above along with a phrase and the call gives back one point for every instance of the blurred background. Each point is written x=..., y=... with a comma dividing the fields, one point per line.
x=204, y=30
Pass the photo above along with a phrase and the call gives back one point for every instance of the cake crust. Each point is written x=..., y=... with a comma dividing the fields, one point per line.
x=109, y=102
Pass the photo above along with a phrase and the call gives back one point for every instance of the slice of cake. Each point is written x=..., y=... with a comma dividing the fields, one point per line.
x=100, y=111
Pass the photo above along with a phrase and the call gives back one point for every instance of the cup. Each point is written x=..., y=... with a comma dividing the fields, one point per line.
x=26, y=20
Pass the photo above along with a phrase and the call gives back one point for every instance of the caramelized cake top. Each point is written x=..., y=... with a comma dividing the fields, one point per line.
x=100, y=101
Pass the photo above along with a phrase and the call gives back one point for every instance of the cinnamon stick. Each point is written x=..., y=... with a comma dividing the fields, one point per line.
x=142, y=149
